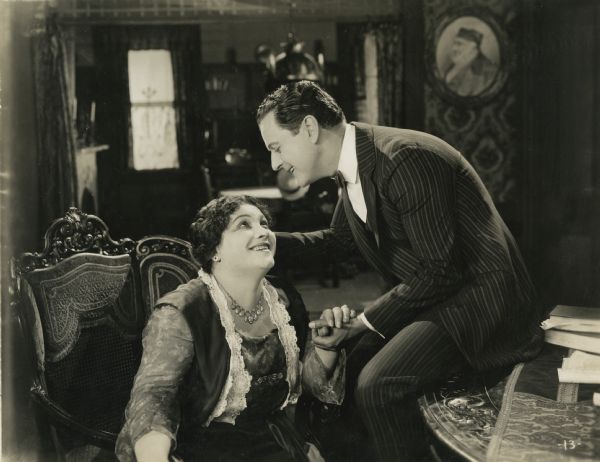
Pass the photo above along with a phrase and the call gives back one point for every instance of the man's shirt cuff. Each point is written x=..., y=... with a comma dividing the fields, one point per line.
x=363, y=318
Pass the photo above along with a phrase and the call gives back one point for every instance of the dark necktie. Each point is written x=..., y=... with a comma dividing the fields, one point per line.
x=342, y=185
x=339, y=179
x=366, y=240
x=348, y=205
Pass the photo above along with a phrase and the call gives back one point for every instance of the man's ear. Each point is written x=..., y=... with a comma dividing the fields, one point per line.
x=311, y=128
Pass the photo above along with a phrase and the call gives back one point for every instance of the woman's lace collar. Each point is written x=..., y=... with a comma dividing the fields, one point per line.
x=237, y=385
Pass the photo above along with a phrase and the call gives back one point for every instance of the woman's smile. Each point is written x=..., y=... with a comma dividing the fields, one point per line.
x=264, y=247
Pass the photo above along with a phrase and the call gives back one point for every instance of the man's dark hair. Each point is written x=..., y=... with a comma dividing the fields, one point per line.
x=211, y=220
x=292, y=102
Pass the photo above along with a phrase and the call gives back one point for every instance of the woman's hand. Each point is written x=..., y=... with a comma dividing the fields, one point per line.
x=335, y=325
x=333, y=340
x=153, y=447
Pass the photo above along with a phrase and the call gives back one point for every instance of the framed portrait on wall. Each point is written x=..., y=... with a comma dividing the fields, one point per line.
x=468, y=57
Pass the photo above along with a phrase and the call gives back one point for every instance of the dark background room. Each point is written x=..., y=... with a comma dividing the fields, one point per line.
x=140, y=112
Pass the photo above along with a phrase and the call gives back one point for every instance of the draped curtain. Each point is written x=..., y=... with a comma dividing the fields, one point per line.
x=389, y=72
x=113, y=120
x=388, y=37
x=351, y=60
x=56, y=138
x=111, y=45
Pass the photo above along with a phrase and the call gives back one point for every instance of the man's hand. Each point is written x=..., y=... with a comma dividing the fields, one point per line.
x=333, y=317
x=336, y=325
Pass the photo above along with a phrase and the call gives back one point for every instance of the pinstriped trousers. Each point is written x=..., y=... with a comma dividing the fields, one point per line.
x=390, y=383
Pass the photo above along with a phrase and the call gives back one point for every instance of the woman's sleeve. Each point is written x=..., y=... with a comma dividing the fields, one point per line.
x=168, y=353
x=326, y=386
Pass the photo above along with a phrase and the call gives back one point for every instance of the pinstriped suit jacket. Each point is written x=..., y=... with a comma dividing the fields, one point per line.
x=434, y=233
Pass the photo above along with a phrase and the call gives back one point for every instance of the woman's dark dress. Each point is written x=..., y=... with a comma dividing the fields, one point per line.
x=180, y=385
x=250, y=437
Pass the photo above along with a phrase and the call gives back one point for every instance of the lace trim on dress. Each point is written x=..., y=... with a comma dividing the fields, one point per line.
x=237, y=385
x=289, y=341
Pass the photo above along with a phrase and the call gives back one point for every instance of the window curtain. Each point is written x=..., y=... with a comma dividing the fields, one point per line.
x=351, y=60
x=111, y=45
x=113, y=123
x=388, y=36
x=185, y=46
x=152, y=95
x=389, y=73
x=56, y=138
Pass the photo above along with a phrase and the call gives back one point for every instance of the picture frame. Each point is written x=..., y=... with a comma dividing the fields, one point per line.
x=468, y=57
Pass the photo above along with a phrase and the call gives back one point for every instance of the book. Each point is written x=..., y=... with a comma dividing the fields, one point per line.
x=578, y=359
x=578, y=375
x=574, y=319
x=581, y=312
x=589, y=342
x=580, y=367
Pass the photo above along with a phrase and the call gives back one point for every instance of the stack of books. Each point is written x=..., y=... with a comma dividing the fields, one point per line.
x=577, y=328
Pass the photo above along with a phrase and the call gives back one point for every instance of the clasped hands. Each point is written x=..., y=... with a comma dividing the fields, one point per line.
x=333, y=327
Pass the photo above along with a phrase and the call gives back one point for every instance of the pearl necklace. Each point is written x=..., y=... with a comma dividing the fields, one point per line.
x=250, y=316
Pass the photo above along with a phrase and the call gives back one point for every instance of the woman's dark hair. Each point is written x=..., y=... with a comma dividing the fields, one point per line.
x=210, y=222
x=292, y=102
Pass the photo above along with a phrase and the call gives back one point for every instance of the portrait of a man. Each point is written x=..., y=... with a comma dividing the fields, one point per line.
x=467, y=56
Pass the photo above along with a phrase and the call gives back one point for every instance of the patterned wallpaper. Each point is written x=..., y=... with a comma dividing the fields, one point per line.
x=484, y=124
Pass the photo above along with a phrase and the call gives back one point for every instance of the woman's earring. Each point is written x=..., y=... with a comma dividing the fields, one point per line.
x=216, y=258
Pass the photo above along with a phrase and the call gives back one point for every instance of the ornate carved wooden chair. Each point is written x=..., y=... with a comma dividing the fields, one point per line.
x=79, y=304
x=164, y=263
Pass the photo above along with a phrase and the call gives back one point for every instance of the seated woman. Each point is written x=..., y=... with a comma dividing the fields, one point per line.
x=224, y=354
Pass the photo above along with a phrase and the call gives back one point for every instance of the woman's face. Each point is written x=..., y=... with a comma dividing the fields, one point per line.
x=247, y=243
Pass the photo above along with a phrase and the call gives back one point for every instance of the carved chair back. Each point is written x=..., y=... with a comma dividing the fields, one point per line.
x=164, y=262
x=79, y=303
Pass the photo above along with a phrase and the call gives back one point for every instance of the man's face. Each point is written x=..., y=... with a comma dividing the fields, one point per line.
x=461, y=49
x=295, y=153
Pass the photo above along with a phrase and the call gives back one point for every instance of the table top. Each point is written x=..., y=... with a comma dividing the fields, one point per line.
x=462, y=414
x=261, y=192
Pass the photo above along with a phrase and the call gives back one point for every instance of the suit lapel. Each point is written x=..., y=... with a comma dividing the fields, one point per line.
x=365, y=153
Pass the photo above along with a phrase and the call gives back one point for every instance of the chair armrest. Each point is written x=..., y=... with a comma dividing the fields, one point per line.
x=59, y=416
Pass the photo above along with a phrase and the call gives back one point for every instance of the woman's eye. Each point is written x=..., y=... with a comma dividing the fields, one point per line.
x=264, y=224
x=244, y=224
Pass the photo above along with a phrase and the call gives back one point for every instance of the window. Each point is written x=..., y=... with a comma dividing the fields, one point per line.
x=151, y=93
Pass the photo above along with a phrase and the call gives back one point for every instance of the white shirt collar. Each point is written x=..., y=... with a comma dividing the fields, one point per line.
x=348, y=164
